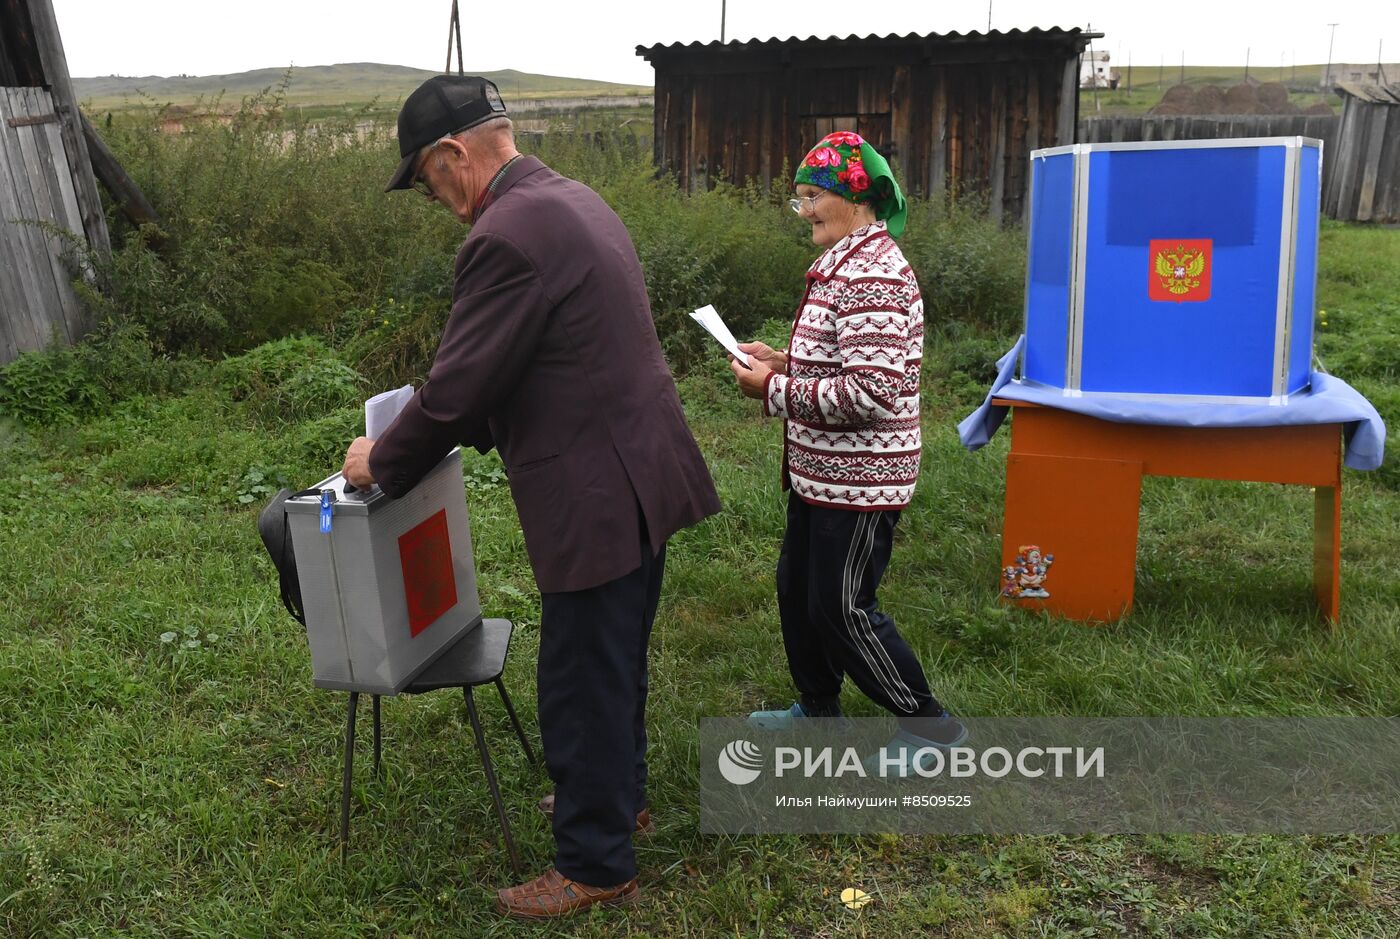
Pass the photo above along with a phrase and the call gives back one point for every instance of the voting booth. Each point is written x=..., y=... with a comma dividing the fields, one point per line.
x=386, y=584
x=1169, y=332
x=1174, y=270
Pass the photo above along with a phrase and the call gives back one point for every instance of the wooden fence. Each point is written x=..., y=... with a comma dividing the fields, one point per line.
x=1353, y=152
x=37, y=203
x=1367, y=187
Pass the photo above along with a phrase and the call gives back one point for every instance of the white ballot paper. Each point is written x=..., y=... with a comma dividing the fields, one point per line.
x=708, y=317
x=381, y=410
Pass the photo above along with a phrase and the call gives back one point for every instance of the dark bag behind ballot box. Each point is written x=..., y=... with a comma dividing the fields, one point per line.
x=383, y=585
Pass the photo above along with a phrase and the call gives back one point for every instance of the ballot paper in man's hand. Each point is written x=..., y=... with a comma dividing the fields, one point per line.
x=708, y=317
x=381, y=410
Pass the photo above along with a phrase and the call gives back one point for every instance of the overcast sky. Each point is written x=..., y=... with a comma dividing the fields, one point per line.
x=597, y=40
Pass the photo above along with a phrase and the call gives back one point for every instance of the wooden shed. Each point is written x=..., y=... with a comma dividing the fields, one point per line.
x=46, y=183
x=1364, y=185
x=949, y=110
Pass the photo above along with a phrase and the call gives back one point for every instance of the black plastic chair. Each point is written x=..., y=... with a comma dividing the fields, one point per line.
x=477, y=658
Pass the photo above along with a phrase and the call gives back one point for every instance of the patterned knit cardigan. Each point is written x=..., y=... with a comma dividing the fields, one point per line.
x=851, y=393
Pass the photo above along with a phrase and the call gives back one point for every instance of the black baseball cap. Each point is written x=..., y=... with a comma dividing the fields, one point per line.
x=442, y=105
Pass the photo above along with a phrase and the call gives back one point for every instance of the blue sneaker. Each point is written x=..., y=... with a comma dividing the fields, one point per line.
x=787, y=719
x=900, y=753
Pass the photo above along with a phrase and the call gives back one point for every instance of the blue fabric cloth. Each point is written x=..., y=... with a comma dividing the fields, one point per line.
x=1331, y=401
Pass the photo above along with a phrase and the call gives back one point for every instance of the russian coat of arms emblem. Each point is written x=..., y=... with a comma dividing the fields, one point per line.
x=1179, y=269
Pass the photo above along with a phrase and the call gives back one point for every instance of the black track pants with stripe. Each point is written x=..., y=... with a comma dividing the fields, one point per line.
x=828, y=574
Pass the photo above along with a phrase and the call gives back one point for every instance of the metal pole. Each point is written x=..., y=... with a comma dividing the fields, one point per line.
x=1183, y=68
x=723, y=11
x=989, y=16
x=1246, y=64
x=1327, y=75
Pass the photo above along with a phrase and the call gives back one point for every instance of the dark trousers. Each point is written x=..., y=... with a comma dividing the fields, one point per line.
x=828, y=572
x=592, y=713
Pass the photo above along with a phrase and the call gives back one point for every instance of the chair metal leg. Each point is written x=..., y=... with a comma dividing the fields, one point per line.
x=491, y=779
x=515, y=722
x=345, y=777
x=377, y=773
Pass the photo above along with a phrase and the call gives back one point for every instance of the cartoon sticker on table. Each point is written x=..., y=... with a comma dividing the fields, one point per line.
x=1025, y=580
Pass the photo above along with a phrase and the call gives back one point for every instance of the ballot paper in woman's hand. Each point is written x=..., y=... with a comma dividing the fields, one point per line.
x=708, y=317
x=381, y=410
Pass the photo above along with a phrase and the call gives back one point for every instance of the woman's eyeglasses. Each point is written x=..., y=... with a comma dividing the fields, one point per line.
x=809, y=202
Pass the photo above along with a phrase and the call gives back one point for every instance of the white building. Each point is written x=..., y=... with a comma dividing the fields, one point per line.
x=1095, y=72
x=1373, y=74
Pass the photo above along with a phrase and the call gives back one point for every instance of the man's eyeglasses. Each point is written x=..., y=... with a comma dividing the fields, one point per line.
x=810, y=202
x=419, y=183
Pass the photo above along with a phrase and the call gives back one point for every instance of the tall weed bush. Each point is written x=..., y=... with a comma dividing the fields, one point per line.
x=275, y=226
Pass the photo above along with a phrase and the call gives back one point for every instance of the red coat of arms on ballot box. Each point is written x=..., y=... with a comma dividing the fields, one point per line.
x=1178, y=269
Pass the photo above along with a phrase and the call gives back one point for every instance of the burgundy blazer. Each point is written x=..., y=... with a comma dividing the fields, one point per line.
x=550, y=354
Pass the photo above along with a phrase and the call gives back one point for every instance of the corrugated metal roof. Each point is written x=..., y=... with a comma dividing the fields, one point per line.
x=1374, y=94
x=1054, y=32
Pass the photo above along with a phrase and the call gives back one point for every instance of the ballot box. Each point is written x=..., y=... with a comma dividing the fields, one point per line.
x=386, y=584
x=1174, y=270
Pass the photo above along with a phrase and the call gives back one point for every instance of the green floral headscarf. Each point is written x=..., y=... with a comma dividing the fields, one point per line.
x=848, y=166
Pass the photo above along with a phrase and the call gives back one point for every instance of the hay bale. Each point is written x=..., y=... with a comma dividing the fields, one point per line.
x=1273, y=96
x=1178, y=94
x=1168, y=109
x=1240, y=99
x=1209, y=99
x=1321, y=109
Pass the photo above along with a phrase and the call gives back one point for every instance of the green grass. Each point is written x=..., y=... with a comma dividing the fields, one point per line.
x=189, y=787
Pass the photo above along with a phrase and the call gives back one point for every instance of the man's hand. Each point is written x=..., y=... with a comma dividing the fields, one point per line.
x=356, y=468
x=775, y=360
x=751, y=380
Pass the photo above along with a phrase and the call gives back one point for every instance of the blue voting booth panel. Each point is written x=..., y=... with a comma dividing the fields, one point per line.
x=1048, y=271
x=1173, y=269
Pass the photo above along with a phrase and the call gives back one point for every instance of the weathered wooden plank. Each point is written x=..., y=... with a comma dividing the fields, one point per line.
x=1016, y=156
x=1366, y=194
x=941, y=132
x=26, y=327
x=1341, y=200
x=16, y=330
x=29, y=251
x=47, y=210
x=902, y=122
x=1388, y=173
x=996, y=169
x=15, y=333
x=1033, y=96
x=71, y=218
x=44, y=168
x=55, y=63
x=1065, y=124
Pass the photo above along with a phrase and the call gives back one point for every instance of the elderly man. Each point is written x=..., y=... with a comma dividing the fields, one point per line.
x=550, y=355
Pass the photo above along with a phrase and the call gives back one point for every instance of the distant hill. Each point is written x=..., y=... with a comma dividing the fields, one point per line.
x=351, y=83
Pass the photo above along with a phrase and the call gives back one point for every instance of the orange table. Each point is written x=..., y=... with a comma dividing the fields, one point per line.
x=1069, y=539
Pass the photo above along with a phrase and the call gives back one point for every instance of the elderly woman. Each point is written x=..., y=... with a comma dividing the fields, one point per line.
x=847, y=388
